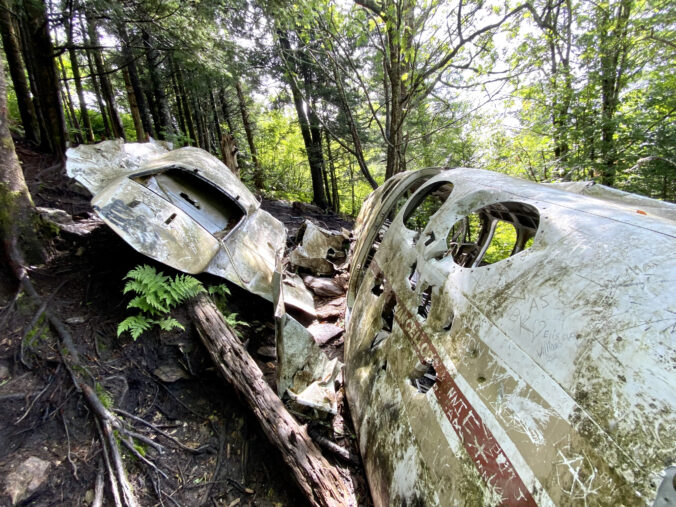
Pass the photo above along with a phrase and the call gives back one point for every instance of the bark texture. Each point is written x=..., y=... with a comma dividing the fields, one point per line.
x=18, y=218
x=39, y=44
x=11, y=44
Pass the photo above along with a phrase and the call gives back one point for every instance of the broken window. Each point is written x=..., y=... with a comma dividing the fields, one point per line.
x=492, y=233
x=205, y=203
x=426, y=204
x=387, y=217
x=424, y=376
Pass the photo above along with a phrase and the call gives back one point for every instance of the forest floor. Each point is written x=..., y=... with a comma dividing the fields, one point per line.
x=164, y=378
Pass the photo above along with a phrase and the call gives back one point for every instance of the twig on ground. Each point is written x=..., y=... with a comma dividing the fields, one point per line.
x=217, y=469
x=111, y=450
x=167, y=495
x=333, y=447
x=70, y=460
x=7, y=310
x=50, y=381
x=143, y=438
x=98, y=486
x=199, y=450
x=109, y=467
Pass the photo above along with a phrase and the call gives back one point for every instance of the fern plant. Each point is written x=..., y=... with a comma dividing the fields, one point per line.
x=156, y=295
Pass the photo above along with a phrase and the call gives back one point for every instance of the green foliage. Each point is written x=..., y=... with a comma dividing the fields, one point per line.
x=282, y=156
x=156, y=295
x=219, y=295
x=502, y=243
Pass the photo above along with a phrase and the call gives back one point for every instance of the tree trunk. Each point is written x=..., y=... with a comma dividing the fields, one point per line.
x=321, y=482
x=10, y=42
x=325, y=177
x=229, y=150
x=152, y=107
x=356, y=140
x=141, y=136
x=614, y=46
x=46, y=80
x=202, y=138
x=258, y=180
x=180, y=106
x=135, y=81
x=335, y=197
x=75, y=67
x=394, y=74
x=106, y=87
x=27, y=52
x=217, y=121
x=18, y=219
x=186, y=104
x=166, y=127
x=319, y=198
x=227, y=115
x=95, y=84
x=225, y=108
x=68, y=100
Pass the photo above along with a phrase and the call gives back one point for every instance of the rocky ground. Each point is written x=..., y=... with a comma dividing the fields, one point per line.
x=211, y=450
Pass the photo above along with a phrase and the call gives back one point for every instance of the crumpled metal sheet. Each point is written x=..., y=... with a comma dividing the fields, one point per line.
x=304, y=371
x=183, y=208
x=297, y=295
x=65, y=222
x=96, y=165
x=549, y=374
x=320, y=250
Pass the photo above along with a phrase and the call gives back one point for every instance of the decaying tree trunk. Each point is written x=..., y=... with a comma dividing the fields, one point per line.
x=321, y=482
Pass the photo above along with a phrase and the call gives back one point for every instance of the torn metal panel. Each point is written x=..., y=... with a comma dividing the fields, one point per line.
x=511, y=343
x=297, y=296
x=96, y=165
x=183, y=208
x=65, y=222
x=320, y=251
x=304, y=372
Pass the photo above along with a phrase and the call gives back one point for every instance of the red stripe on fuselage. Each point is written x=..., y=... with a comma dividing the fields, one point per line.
x=491, y=461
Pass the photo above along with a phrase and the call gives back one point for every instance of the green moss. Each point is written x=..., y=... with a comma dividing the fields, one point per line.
x=106, y=399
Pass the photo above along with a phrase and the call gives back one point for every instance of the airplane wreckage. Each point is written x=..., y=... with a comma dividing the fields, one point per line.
x=506, y=343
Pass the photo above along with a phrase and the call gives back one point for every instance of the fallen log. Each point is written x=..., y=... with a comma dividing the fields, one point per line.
x=321, y=482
